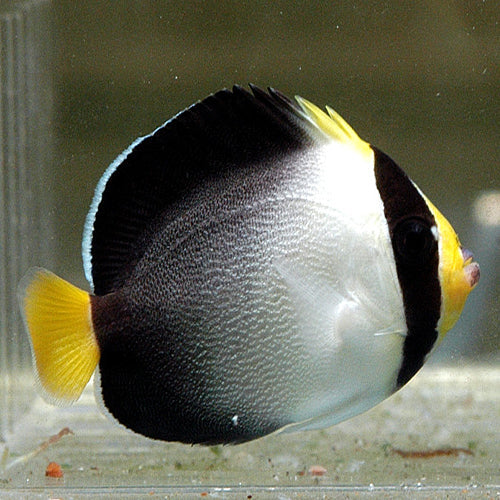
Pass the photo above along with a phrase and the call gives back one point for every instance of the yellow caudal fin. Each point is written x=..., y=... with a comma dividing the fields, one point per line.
x=65, y=350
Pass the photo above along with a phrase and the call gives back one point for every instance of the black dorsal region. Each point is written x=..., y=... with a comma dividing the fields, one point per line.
x=227, y=130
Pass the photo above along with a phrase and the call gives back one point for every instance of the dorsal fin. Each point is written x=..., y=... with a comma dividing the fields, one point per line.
x=229, y=129
x=334, y=125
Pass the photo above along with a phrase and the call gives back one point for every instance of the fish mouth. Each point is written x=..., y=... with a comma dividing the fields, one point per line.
x=471, y=268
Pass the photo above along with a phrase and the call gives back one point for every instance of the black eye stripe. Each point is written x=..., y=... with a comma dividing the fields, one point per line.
x=418, y=277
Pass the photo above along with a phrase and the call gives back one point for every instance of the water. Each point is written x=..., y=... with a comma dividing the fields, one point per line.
x=419, y=81
x=25, y=158
x=80, y=81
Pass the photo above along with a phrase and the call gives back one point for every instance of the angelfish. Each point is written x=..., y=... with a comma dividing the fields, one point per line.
x=254, y=266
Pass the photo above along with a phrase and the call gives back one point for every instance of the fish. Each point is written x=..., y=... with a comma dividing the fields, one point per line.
x=254, y=267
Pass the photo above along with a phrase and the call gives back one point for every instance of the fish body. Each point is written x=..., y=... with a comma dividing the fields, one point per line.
x=254, y=266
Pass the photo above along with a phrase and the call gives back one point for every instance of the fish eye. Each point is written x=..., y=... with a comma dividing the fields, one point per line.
x=415, y=241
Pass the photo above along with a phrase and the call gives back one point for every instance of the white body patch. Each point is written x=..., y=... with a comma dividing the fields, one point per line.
x=342, y=280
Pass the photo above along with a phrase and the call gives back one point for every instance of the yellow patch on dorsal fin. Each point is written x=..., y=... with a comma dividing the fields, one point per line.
x=65, y=350
x=334, y=125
